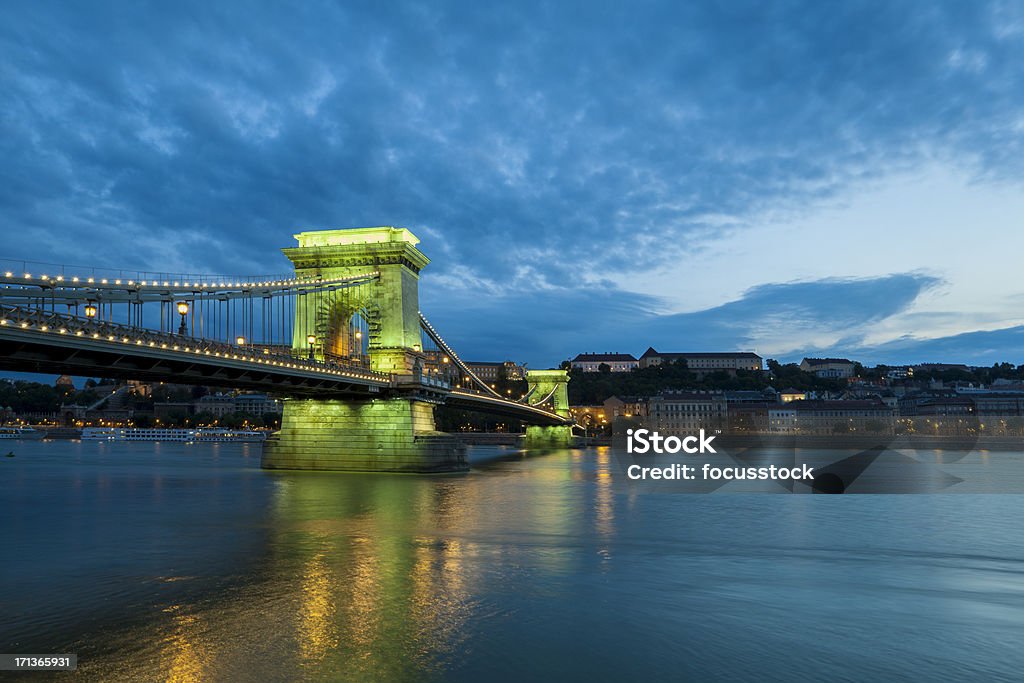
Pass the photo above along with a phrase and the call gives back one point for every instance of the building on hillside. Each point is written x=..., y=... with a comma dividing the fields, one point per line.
x=683, y=412
x=217, y=405
x=828, y=368
x=704, y=363
x=492, y=371
x=257, y=404
x=592, y=362
x=899, y=372
x=220, y=405
x=787, y=395
x=941, y=367
x=734, y=397
x=625, y=406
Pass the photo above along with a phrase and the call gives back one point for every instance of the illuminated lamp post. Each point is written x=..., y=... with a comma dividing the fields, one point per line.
x=90, y=310
x=183, y=310
x=311, y=340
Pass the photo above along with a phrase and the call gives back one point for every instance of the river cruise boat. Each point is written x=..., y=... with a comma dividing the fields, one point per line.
x=211, y=434
x=16, y=432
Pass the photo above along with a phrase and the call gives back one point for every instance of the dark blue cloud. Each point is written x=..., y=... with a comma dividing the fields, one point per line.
x=971, y=348
x=564, y=137
x=560, y=324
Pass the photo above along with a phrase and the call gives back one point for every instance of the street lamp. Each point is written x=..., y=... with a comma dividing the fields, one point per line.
x=90, y=310
x=240, y=340
x=357, y=343
x=311, y=340
x=183, y=309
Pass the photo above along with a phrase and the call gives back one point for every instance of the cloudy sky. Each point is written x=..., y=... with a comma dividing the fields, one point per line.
x=789, y=178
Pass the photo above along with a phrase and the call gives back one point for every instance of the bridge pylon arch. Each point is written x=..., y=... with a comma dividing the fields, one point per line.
x=392, y=432
x=390, y=302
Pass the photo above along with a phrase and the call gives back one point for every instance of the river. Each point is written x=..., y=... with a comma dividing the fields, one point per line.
x=187, y=562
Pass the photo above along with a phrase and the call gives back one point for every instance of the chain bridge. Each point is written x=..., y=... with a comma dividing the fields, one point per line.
x=341, y=339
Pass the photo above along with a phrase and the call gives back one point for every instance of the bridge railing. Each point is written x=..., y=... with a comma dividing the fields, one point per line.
x=48, y=322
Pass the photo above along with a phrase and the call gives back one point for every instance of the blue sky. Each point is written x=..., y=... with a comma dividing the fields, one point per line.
x=789, y=178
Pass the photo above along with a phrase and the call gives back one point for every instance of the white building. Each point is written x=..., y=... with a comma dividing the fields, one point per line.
x=592, y=362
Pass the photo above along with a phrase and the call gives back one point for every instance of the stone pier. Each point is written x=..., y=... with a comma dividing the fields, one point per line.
x=388, y=435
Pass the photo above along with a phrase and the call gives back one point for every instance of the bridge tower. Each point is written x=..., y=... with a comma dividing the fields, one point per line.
x=542, y=384
x=392, y=433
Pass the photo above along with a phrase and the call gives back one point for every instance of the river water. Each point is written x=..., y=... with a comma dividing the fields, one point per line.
x=187, y=562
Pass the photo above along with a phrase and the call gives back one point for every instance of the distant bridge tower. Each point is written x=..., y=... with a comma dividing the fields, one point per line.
x=392, y=433
x=550, y=387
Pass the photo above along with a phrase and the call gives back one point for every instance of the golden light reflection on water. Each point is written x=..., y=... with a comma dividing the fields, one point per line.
x=375, y=601
x=361, y=613
x=604, y=506
x=379, y=578
x=182, y=654
x=317, y=631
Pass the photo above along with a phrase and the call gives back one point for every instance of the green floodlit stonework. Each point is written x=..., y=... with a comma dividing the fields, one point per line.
x=390, y=304
x=393, y=434
x=390, y=435
x=542, y=382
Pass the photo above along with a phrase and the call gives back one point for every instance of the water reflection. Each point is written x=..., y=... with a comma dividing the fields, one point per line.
x=527, y=568
x=384, y=594
x=182, y=651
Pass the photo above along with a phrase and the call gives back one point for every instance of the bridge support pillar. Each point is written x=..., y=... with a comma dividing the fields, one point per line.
x=539, y=438
x=388, y=435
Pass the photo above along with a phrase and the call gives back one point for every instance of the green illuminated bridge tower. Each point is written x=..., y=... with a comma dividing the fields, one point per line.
x=552, y=387
x=342, y=339
x=390, y=433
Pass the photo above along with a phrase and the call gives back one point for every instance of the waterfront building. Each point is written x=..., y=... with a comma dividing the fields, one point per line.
x=828, y=368
x=935, y=402
x=217, y=405
x=687, y=412
x=998, y=403
x=592, y=362
x=704, y=363
x=748, y=418
x=782, y=418
x=832, y=417
x=625, y=406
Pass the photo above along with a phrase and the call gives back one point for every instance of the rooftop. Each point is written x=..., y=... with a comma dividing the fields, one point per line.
x=603, y=357
x=826, y=361
x=651, y=353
